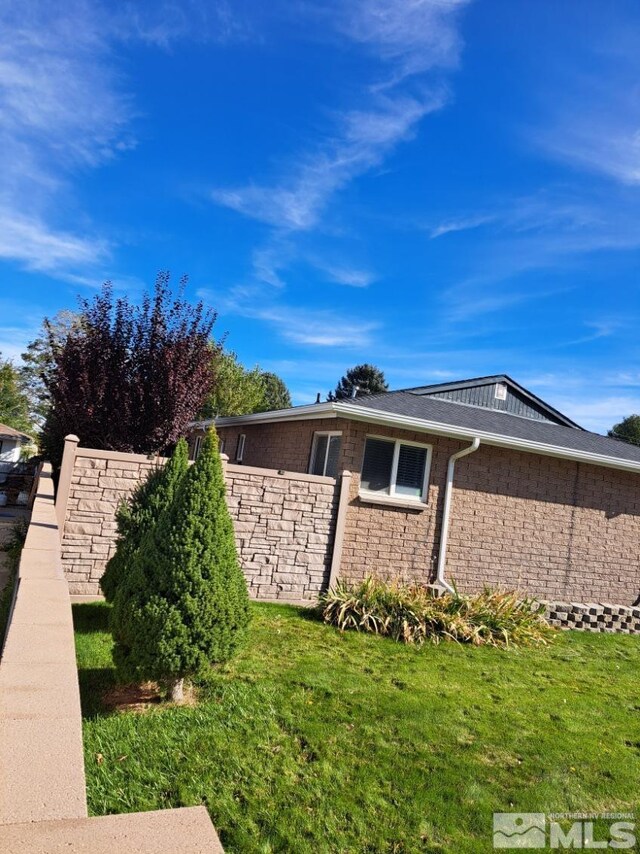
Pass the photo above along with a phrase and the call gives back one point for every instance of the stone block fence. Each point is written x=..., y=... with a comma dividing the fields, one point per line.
x=289, y=526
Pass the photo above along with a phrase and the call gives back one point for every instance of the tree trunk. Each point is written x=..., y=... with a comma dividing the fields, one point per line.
x=176, y=690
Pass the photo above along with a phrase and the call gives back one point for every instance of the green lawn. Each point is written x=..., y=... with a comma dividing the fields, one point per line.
x=313, y=741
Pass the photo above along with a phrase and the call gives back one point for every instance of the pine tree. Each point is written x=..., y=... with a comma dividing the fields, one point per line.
x=276, y=393
x=140, y=513
x=628, y=430
x=366, y=379
x=184, y=604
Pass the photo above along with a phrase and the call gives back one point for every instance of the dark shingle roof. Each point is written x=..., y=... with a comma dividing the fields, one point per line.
x=467, y=417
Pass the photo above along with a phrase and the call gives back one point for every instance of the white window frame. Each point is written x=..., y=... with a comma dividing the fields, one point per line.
x=328, y=434
x=242, y=439
x=221, y=444
x=393, y=497
x=196, y=447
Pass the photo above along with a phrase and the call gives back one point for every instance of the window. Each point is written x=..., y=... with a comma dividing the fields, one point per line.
x=221, y=446
x=240, y=447
x=196, y=447
x=396, y=469
x=324, y=454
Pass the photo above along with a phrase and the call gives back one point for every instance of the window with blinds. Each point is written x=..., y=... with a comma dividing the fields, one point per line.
x=395, y=468
x=325, y=451
x=377, y=465
x=412, y=462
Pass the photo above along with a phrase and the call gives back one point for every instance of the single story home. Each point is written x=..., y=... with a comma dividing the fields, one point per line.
x=478, y=482
x=11, y=444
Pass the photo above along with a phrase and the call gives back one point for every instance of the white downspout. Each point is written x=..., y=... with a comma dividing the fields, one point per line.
x=446, y=512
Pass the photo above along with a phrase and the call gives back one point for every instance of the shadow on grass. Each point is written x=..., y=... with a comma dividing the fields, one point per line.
x=90, y=617
x=95, y=683
x=312, y=615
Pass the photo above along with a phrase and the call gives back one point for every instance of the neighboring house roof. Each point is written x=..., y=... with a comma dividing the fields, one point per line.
x=429, y=413
x=482, y=391
x=7, y=432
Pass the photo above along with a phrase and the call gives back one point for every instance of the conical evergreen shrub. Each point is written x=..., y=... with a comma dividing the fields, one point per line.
x=140, y=513
x=184, y=605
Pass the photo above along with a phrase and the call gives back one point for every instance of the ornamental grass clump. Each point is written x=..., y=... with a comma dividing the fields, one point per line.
x=413, y=614
x=137, y=516
x=183, y=605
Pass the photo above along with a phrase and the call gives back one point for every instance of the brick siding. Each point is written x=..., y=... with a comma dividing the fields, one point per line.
x=284, y=446
x=556, y=529
x=551, y=528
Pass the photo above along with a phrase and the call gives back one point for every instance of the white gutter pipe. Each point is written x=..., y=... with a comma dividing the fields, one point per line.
x=446, y=512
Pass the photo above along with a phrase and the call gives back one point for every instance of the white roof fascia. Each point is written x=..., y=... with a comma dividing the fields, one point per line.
x=376, y=416
x=336, y=409
x=297, y=413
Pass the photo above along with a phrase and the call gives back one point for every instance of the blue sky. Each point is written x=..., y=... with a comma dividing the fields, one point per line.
x=444, y=188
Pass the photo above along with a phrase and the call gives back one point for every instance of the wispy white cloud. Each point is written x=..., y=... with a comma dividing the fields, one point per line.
x=553, y=230
x=414, y=44
x=62, y=109
x=363, y=140
x=14, y=340
x=32, y=242
x=413, y=36
x=163, y=23
x=407, y=38
x=463, y=224
x=614, y=151
x=316, y=327
x=60, y=99
x=468, y=301
x=598, y=414
x=65, y=107
x=592, y=119
x=597, y=329
x=350, y=276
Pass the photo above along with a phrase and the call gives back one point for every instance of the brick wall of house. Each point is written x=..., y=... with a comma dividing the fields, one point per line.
x=556, y=529
x=379, y=539
x=391, y=541
x=286, y=445
x=284, y=524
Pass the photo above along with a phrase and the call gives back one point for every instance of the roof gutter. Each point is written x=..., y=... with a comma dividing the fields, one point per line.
x=446, y=512
x=295, y=413
x=340, y=409
x=376, y=416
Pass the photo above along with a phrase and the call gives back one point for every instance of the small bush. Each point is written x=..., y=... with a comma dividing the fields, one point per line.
x=412, y=614
x=183, y=605
x=136, y=516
